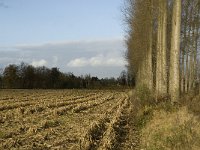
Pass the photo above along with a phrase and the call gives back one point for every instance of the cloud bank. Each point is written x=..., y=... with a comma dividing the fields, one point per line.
x=97, y=57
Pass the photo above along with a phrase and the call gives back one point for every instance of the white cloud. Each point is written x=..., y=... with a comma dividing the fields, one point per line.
x=78, y=62
x=41, y=62
x=98, y=61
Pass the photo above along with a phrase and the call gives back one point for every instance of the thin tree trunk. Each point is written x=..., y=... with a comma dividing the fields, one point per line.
x=183, y=75
x=195, y=52
x=175, y=52
x=182, y=71
x=191, y=70
x=192, y=63
x=187, y=72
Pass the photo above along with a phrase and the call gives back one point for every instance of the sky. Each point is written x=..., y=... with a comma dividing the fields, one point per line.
x=79, y=36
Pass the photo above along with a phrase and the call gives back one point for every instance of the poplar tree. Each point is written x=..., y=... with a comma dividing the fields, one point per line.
x=175, y=52
x=161, y=64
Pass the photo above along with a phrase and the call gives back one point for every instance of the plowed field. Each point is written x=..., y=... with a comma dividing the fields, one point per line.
x=63, y=119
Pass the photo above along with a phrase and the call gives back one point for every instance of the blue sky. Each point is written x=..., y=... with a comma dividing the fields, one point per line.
x=82, y=36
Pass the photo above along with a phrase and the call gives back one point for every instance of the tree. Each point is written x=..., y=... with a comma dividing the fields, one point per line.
x=175, y=52
x=189, y=44
x=29, y=77
x=10, y=77
x=184, y=49
x=88, y=80
x=54, y=77
x=161, y=60
x=123, y=78
x=1, y=78
x=138, y=14
x=42, y=79
x=155, y=39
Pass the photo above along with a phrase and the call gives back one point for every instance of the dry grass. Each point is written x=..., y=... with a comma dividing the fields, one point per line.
x=163, y=126
x=193, y=103
x=178, y=130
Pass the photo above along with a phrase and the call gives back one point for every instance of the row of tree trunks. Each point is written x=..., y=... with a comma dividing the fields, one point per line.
x=163, y=51
x=189, y=69
x=183, y=50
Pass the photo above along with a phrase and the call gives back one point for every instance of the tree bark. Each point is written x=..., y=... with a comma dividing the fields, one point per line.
x=161, y=67
x=196, y=49
x=183, y=75
x=187, y=72
x=175, y=52
x=149, y=69
x=192, y=60
x=145, y=73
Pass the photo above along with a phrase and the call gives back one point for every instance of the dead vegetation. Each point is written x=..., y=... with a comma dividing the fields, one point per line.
x=163, y=125
x=179, y=130
x=62, y=119
x=108, y=132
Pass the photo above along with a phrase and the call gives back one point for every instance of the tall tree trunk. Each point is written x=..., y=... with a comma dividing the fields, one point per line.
x=187, y=72
x=192, y=61
x=161, y=67
x=145, y=73
x=149, y=69
x=196, y=50
x=183, y=75
x=140, y=74
x=182, y=71
x=191, y=70
x=175, y=52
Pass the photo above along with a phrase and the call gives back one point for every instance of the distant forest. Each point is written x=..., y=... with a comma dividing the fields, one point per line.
x=25, y=76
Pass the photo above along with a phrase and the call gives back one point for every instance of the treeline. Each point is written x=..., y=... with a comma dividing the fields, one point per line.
x=26, y=76
x=163, y=42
